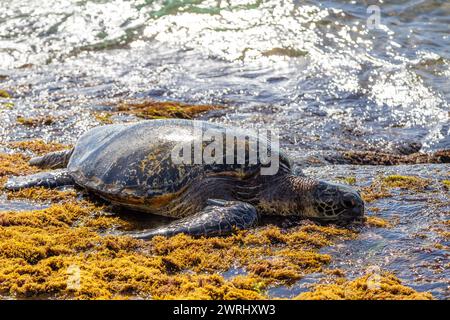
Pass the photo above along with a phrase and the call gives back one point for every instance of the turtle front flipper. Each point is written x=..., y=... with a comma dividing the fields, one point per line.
x=50, y=179
x=52, y=160
x=217, y=219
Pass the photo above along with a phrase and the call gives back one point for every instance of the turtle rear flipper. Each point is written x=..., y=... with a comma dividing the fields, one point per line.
x=50, y=179
x=52, y=160
x=217, y=219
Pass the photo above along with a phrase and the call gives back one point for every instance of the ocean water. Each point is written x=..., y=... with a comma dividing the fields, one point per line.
x=317, y=71
x=311, y=68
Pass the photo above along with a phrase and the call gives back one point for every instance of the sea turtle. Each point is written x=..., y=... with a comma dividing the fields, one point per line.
x=133, y=166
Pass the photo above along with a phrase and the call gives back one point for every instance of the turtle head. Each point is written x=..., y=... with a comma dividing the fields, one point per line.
x=335, y=203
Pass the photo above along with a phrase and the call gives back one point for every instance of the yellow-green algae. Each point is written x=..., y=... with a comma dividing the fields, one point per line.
x=349, y=180
x=381, y=186
x=384, y=286
x=149, y=109
x=406, y=182
x=376, y=190
x=42, y=194
x=442, y=228
x=446, y=183
x=7, y=105
x=4, y=94
x=35, y=121
x=37, y=247
x=103, y=117
x=37, y=146
x=377, y=222
x=445, y=234
x=15, y=164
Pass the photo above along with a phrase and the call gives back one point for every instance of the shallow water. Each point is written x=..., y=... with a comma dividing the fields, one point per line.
x=411, y=248
x=311, y=69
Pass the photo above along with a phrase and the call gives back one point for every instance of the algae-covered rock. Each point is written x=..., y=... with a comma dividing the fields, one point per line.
x=4, y=94
x=151, y=109
x=405, y=182
x=388, y=159
x=36, y=121
x=381, y=187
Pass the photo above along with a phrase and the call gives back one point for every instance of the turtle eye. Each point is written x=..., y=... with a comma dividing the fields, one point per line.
x=348, y=202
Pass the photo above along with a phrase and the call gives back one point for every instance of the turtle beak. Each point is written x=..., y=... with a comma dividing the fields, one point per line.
x=356, y=212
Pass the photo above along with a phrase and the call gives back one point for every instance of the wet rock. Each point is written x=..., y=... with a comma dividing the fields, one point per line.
x=380, y=158
x=407, y=147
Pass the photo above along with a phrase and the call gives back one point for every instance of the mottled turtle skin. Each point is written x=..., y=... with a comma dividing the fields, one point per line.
x=131, y=165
